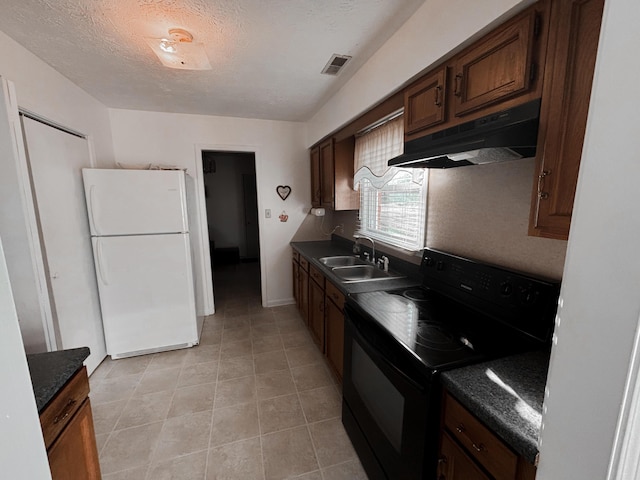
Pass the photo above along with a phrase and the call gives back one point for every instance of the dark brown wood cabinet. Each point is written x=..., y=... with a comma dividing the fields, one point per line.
x=316, y=307
x=455, y=464
x=67, y=428
x=469, y=450
x=501, y=70
x=498, y=67
x=327, y=175
x=316, y=189
x=334, y=328
x=332, y=175
x=295, y=264
x=425, y=102
x=573, y=44
x=303, y=289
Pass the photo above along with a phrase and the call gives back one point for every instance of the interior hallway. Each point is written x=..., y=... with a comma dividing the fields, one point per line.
x=253, y=401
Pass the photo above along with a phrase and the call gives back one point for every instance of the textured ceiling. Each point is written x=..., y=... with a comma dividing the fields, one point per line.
x=266, y=54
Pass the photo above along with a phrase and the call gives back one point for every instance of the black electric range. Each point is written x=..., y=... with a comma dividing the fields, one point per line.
x=397, y=341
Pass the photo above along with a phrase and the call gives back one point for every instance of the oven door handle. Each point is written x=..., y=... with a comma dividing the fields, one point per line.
x=379, y=358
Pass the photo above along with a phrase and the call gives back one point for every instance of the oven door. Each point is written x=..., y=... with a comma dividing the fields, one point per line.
x=390, y=410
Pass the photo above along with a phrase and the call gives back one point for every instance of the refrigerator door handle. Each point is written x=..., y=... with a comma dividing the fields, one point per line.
x=101, y=270
x=91, y=215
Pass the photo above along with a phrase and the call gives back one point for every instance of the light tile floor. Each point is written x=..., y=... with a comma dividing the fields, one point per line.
x=254, y=400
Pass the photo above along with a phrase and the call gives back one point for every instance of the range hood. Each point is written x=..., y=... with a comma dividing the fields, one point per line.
x=507, y=135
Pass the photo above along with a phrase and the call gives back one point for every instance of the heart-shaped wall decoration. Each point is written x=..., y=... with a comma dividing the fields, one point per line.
x=284, y=191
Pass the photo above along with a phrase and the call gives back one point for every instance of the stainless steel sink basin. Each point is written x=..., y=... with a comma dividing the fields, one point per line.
x=361, y=273
x=341, y=261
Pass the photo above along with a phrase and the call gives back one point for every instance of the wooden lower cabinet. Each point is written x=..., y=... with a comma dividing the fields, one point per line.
x=455, y=464
x=316, y=313
x=334, y=329
x=469, y=450
x=295, y=264
x=69, y=436
x=74, y=455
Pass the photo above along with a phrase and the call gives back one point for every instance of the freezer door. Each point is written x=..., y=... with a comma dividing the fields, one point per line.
x=146, y=292
x=135, y=202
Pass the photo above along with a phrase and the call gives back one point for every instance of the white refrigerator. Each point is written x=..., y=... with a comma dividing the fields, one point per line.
x=140, y=237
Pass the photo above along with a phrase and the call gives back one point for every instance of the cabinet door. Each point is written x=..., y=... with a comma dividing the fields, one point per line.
x=424, y=102
x=296, y=282
x=327, y=174
x=74, y=455
x=454, y=464
x=573, y=44
x=304, y=294
x=316, y=193
x=497, y=68
x=316, y=314
x=335, y=337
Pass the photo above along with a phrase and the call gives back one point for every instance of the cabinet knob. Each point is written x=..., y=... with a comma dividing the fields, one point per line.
x=438, y=101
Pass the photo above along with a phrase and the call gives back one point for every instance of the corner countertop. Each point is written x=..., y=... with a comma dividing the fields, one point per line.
x=314, y=250
x=51, y=370
x=506, y=395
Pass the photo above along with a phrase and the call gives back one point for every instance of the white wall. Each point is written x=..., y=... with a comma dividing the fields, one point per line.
x=41, y=90
x=23, y=454
x=600, y=298
x=281, y=159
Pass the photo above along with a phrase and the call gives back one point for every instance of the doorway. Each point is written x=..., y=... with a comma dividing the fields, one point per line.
x=232, y=217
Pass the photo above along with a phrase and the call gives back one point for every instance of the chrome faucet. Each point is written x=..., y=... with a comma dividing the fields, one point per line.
x=358, y=236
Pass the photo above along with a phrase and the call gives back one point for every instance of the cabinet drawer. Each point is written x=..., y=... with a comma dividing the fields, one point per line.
x=335, y=295
x=295, y=256
x=61, y=409
x=499, y=460
x=317, y=276
x=304, y=263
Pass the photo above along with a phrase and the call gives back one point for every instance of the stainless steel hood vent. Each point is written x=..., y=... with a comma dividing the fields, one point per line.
x=507, y=135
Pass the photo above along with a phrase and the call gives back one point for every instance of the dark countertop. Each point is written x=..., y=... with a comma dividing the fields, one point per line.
x=314, y=250
x=506, y=395
x=51, y=370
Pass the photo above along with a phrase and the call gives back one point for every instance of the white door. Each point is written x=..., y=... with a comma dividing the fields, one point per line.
x=135, y=202
x=146, y=292
x=56, y=159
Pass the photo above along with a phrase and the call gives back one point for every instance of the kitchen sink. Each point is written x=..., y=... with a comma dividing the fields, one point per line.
x=361, y=273
x=341, y=261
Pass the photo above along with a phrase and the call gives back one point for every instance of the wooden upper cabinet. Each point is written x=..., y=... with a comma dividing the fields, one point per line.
x=498, y=67
x=573, y=45
x=316, y=200
x=327, y=174
x=332, y=175
x=425, y=102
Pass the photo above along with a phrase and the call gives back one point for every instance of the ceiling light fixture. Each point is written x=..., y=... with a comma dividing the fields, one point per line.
x=179, y=51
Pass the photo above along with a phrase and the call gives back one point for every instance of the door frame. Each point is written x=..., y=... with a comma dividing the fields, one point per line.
x=202, y=215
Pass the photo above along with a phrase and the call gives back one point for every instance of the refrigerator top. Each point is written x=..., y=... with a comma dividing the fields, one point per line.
x=135, y=202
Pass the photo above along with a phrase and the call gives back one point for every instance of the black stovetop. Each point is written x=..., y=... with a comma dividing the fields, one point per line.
x=464, y=312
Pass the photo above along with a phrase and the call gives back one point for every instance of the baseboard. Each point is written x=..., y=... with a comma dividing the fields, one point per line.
x=281, y=302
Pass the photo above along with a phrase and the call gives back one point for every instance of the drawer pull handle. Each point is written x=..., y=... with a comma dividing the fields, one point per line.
x=477, y=447
x=66, y=411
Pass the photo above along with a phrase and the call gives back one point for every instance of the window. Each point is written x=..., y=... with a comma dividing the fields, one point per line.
x=392, y=200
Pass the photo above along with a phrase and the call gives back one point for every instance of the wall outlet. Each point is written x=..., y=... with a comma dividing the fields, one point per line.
x=267, y=213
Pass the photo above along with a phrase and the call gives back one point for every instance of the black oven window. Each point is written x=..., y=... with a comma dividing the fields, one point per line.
x=384, y=402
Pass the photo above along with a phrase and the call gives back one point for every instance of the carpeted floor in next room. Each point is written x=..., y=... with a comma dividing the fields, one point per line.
x=254, y=400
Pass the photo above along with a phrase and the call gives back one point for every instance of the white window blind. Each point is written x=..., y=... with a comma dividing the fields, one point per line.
x=392, y=200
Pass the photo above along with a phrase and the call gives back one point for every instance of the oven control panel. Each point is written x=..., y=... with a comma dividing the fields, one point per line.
x=521, y=300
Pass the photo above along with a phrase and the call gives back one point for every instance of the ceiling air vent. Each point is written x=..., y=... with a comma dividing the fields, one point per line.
x=335, y=64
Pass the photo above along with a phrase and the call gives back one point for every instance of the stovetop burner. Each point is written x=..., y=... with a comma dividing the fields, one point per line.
x=416, y=294
x=434, y=336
